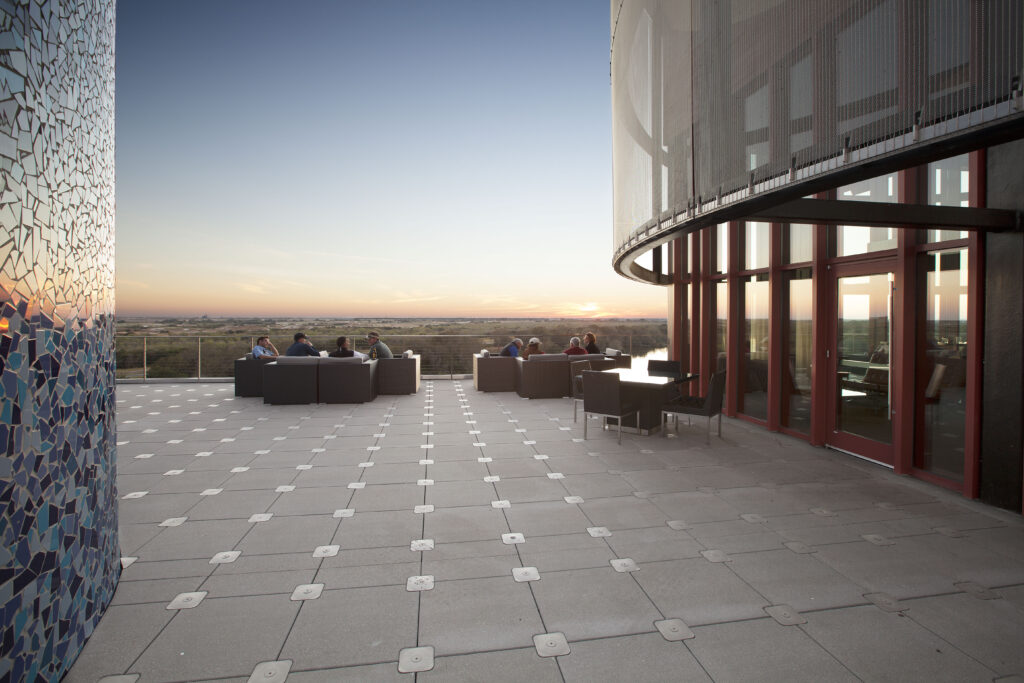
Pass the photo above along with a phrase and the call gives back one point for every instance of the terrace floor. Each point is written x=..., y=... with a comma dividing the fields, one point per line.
x=477, y=537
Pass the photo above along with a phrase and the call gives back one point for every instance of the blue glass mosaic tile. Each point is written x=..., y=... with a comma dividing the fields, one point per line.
x=58, y=501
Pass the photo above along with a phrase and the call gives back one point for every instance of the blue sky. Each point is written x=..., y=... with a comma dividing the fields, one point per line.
x=387, y=158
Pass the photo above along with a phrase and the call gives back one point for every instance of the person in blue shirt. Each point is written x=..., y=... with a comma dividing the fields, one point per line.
x=264, y=349
x=301, y=347
x=512, y=348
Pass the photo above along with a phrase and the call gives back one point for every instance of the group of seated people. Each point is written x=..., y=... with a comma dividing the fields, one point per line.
x=303, y=347
x=576, y=347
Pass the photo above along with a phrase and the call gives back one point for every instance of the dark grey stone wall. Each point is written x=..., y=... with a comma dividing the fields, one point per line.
x=58, y=503
x=1002, y=434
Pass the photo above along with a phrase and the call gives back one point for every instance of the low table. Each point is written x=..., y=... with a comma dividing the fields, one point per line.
x=649, y=393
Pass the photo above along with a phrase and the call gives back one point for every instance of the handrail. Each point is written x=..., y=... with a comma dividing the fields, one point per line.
x=198, y=357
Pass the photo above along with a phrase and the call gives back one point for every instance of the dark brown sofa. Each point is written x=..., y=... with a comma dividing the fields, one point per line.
x=494, y=373
x=399, y=375
x=547, y=375
x=347, y=380
x=249, y=375
x=290, y=380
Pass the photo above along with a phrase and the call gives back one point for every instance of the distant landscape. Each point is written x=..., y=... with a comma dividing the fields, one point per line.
x=207, y=347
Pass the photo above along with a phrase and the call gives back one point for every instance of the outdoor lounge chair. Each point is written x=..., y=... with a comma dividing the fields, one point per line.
x=602, y=395
x=706, y=406
x=576, y=370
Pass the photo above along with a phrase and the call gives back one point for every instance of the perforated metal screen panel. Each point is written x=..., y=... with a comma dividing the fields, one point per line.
x=716, y=102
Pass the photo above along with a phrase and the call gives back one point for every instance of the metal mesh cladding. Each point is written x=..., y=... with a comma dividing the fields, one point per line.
x=722, y=98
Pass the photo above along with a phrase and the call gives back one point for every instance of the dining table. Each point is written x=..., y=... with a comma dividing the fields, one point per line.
x=649, y=391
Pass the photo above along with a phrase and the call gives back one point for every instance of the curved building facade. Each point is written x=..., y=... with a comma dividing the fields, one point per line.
x=58, y=521
x=831, y=193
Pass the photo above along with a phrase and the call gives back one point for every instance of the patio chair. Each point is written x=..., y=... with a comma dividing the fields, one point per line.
x=576, y=369
x=602, y=396
x=705, y=406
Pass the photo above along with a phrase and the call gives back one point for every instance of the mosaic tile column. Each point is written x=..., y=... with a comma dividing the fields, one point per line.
x=59, y=555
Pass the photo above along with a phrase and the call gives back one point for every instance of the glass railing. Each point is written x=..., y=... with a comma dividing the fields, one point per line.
x=213, y=357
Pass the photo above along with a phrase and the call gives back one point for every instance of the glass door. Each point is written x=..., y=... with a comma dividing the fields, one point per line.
x=861, y=409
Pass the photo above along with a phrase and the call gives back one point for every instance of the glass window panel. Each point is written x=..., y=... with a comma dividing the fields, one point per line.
x=879, y=189
x=756, y=240
x=854, y=239
x=754, y=370
x=721, y=324
x=795, y=407
x=949, y=184
x=941, y=371
x=859, y=239
x=798, y=243
x=721, y=232
x=863, y=333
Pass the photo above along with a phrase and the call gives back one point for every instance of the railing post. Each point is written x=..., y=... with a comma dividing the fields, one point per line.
x=199, y=360
x=144, y=363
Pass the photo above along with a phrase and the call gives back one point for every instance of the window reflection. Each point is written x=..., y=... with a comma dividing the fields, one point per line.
x=941, y=384
x=756, y=240
x=796, y=370
x=721, y=232
x=798, y=243
x=754, y=368
x=949, y=184
x=849, y=240
x=721, y=324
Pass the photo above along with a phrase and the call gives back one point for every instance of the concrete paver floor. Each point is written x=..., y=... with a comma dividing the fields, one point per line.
x=460, y=536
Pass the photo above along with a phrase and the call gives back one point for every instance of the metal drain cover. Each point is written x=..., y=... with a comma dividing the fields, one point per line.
x=715, y=555
x=624, y=565
x=573, y=500
x=225, y=557
x=500, y=504
x=422, y=544
x=419, y=583
x=674, y=629
x=512, y=539
x=423, y=509
x=271, y=672
x=551, y=644
x=521, y=574
x=307, y=591
x=186, y=600
x=326, y=550
x=346, y=512
x=173, y=521
x=414, y=659
x=785, y=615
x=598, y=531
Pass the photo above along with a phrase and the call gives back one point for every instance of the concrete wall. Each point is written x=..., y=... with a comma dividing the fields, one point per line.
x=58, y=502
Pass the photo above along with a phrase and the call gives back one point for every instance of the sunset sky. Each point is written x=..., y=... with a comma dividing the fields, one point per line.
x=388, y=158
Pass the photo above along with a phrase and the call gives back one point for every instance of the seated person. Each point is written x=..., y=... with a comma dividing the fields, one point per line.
x=378, y=349
x=590, y=343
x=264, y=349
x=512, y=348
x=574, y=348
x=301, y=347
x=531, y=348
x=343, y=351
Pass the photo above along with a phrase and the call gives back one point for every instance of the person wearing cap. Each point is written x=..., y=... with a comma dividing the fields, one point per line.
x=512, y=348
x=301, y=347
x=531, y=348
x=574, y=348
x=378, y=349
